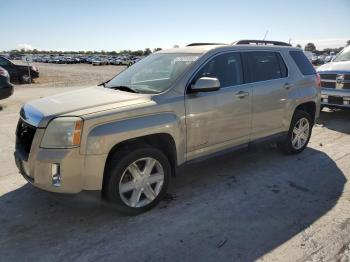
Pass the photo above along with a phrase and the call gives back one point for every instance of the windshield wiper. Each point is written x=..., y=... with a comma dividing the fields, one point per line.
x=122, y=88
x=104, y=83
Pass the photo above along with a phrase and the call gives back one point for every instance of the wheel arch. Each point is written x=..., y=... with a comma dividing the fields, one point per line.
x=162, y=141
x=309, y=107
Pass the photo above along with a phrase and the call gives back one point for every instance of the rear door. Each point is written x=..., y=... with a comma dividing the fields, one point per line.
x=267, y=74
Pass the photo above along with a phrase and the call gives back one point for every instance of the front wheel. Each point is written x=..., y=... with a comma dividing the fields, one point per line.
x=25, y=79
x=298, y=135
x=136, y=180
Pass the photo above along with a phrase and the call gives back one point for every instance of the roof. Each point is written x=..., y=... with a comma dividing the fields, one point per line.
x=200, y=49
x=191, y=49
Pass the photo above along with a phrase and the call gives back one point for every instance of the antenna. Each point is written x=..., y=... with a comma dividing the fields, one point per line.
x=267, y=31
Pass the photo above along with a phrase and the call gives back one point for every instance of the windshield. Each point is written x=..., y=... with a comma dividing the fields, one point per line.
x=153, y=74
x=344, y=55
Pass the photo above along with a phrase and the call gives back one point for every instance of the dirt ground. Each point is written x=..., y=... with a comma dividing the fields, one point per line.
x=253, y=204
x=62, y=75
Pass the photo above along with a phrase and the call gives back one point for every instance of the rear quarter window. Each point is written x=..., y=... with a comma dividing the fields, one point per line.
x=304, y=65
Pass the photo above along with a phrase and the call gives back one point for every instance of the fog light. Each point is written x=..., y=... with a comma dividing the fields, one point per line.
x=56, y=175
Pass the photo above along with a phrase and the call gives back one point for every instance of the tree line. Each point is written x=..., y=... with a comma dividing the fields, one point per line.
x=308, y=47
x=145, y=52
x=312, y=48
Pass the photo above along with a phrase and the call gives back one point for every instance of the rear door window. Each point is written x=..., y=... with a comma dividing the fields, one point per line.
x=302, y=62
x=225, y=67
x=263, y=66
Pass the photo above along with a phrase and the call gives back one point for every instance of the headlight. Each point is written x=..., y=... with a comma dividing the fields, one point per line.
x=63, y=132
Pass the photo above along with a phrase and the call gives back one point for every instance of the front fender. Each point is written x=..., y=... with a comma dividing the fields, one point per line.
x=102, y=138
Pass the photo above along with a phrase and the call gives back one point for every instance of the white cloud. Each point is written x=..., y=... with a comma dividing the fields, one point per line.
x=24, y=46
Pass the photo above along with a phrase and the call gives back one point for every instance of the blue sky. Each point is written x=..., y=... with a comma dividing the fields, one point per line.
x=137, y=24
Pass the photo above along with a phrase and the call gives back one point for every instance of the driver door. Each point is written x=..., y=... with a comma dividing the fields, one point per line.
x=219, y=119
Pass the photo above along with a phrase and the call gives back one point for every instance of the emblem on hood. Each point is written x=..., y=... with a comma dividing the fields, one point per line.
x=339, y=81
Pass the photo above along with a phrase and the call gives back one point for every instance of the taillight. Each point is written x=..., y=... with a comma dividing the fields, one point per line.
x=318, y=80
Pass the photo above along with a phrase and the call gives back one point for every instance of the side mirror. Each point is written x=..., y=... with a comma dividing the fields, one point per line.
x=205, y=84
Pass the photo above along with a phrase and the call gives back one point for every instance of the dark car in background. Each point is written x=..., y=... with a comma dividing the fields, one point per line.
x=19, y=73
x=6, y=88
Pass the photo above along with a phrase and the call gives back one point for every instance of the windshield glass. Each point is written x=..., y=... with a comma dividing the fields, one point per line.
x=344, y=55
x=153, y=74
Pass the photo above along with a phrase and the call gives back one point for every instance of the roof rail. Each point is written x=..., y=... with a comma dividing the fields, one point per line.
x=198, y=44
x=260, y=42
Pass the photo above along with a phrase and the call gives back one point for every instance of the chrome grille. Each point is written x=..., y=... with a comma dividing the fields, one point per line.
x=327, y=84
x=330, y=80
x=328, y=76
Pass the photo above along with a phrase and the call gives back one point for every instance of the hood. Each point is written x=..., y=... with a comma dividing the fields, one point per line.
x=80, y=102
x=23, y=66
x=339, y=67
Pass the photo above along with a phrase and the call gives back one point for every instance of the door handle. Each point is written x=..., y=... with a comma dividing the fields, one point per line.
x=242, y=94
x=288, y=86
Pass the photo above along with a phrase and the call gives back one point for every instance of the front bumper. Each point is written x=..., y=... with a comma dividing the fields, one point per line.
x=77, y=172
x=6, y=92
x=331, y=97
x=34, y=74
x=38, y=169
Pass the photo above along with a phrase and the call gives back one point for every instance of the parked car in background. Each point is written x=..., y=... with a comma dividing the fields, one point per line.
x=335, y=81
x=6, y=88
x=88, y=59
x=19, y=73
x=121, y=61
x=329, y=58
x=314, y=59
x=126, y=137
x=99, y=62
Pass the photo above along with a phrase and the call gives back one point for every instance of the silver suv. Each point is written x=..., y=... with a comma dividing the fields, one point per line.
x=335, y=81
x=126, y=137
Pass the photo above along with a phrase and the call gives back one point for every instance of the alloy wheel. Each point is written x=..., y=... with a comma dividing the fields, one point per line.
x=300, y=134
x=141, y=182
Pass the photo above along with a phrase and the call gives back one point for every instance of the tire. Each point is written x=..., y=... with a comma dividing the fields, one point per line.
x=287, y=146
x=25, y=79
x=118, y=175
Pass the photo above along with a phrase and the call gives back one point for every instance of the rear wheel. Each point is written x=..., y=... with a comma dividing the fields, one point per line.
x=299, y=133
x=137, y=180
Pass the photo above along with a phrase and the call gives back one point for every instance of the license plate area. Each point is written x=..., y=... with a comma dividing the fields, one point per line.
x=336, y=100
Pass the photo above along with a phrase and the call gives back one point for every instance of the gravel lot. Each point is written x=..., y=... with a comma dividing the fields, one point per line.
x=248, y=205
x=62, y=75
